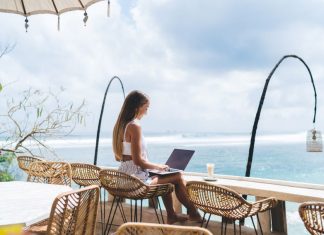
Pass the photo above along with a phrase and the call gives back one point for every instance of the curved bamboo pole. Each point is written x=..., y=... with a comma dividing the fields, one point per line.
x=101, y=113
x=257, y=116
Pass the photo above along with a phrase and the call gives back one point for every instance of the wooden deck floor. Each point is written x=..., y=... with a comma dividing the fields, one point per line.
x=150, y=217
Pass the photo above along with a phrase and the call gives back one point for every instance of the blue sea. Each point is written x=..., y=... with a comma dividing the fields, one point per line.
x=276, y=156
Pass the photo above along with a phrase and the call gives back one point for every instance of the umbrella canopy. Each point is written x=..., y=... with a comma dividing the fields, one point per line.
x=57, y=7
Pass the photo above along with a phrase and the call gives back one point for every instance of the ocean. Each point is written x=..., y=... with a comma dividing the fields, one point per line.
x=276, y=156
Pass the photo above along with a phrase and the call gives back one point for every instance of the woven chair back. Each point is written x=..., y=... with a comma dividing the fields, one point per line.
x=218, y=200
x=85, y=174
x=25, y=161
x=124, y=185
x=50, y=173
x=312, y=214
x=121, y=184
x=74, y=212
x=159, y=229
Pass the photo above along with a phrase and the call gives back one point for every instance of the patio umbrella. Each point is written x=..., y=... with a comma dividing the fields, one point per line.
x=56, y=7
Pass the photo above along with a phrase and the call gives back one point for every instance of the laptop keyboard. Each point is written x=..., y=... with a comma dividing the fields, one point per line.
x=173, y=170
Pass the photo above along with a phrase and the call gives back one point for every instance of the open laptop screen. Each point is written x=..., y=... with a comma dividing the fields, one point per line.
x=177, y=161
x=179, y=158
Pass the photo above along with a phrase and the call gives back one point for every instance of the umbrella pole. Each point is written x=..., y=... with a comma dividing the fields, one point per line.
x=257, y=116
x=101, y=113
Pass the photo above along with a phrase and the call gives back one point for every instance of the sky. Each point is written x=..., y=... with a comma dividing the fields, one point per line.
x=202, y=63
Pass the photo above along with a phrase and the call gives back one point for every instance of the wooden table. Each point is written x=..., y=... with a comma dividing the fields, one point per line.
x=26, y=202
x=261, y=188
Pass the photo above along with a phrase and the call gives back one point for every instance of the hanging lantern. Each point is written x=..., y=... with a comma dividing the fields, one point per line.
x=314, y=141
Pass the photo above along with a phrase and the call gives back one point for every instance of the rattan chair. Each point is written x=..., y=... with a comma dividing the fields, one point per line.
x=25, y=161
x=73, y=213
x=123, y=186
x=50, y=173
x=222, y=201
x=159, y=229
x=86, y=174
x=312, y=214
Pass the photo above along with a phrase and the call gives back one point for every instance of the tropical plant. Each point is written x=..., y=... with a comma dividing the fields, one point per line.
x=29, y=119
x=32, y=116
x=6, y=169
x=6, y=48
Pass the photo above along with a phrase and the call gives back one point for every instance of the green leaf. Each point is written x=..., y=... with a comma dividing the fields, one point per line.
x=0, y=87
x=5, y=176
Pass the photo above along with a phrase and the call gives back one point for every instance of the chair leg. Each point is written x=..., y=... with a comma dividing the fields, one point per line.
x=157, y=216
x=222, y=226
x=131, y=210
x=102, y=215
x=159, y=205
x=208, y=221
x=122, y=212
x=111, y=209
x=141, y=212
x=256, y=232
x=116, y=199
x=240, y=227
x=203, y=219
x=103, y=207
x=234, y=227
x=135, y=211
x=225, y=225
x=257, y=215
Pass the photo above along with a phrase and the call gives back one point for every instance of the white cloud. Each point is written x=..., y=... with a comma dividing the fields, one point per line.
x=203, y=63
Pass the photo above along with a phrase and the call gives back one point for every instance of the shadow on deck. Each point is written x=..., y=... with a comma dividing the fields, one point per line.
x=150, y=217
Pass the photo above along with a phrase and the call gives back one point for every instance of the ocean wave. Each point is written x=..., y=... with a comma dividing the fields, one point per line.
x=227, y=139
x=67, y=143
x=180, y=139
x=293, y=217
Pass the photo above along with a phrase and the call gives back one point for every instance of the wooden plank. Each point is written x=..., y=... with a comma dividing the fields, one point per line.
x=279, y=220
x=265, y=219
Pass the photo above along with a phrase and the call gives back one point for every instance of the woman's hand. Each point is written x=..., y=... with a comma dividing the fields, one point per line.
x=162, y=167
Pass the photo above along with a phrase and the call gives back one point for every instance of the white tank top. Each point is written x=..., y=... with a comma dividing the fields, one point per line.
x=127, y=145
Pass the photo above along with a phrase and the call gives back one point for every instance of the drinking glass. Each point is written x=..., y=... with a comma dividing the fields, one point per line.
x=210, y=169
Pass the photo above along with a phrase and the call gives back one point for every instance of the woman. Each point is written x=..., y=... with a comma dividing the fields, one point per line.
x=130, y=149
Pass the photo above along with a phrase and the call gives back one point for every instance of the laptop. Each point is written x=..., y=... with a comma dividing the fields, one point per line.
x=177, y=161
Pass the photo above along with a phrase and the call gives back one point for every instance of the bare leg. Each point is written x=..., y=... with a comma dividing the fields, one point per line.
x=172, y=216
x=168, y=203
x=181, y=192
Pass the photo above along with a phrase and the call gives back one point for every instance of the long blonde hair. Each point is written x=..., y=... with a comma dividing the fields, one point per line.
x=128, y=112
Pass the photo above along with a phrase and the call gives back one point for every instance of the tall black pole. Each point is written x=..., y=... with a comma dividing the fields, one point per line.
x=257, y=116
x=101, y=113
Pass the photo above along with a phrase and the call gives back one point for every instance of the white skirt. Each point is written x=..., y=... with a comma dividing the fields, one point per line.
x=130, y=168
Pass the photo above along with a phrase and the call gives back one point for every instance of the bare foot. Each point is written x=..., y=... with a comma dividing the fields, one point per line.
x=177, y=218
x=196, y=218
